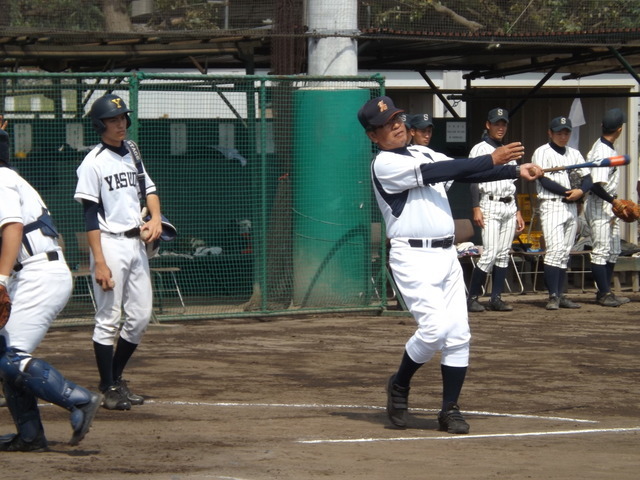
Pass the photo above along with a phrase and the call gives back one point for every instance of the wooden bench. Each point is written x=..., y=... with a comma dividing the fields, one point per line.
x=626, y=265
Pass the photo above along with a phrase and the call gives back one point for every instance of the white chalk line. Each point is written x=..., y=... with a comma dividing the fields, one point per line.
x=364, y=407
x=469, y=437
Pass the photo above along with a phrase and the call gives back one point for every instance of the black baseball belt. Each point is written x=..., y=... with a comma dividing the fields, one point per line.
x=507, y=199
x=132, y=233
x=48, y=256
x=445, y=242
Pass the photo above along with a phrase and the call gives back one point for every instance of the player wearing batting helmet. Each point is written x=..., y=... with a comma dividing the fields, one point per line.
x=108, y=189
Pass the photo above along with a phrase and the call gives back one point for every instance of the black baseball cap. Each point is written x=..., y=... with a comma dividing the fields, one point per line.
x=421, y=120
x=498, y=114
x=560, y=123
x=613, y=119
x=4, y=146
x=377, y=111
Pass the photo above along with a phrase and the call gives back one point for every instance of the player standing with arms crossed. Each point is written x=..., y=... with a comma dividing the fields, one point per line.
x=108, y=190
x=558, y=208
x=409, y=189
x=495, y=210
x=35, y=285
x=605, y=230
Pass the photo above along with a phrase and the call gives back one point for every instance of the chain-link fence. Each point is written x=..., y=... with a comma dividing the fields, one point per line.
x=218, y=18
x=266, y=179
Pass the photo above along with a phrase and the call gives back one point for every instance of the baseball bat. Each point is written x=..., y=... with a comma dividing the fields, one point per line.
x=616, y=161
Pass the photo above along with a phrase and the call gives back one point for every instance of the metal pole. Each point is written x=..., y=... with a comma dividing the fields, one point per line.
x=331, y=50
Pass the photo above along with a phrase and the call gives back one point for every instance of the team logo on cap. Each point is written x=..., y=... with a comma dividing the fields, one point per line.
x=425, y=117
x=382, y=106
x=500, y=112
x=117, y=102
x=563, y=121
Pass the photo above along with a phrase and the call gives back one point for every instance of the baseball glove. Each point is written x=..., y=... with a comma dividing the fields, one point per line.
x=626, y=210
x=5, y=306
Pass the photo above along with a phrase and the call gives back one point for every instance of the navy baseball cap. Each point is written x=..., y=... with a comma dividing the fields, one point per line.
x=421, y=120
x=498, y=114
x=406, y=119
x=560, y=123
x=613, y=119
x=4, y=146
x=377, y=111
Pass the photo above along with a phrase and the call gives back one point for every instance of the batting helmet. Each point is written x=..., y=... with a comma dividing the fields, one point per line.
x=107, y=106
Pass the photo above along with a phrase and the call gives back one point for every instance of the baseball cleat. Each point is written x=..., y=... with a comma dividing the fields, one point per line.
x=114, y=399
x=82, y=417
x=473, y=305
x=451, y=420
x=607, y=300
x=498, y=305
x=397, y=403
x=15, y=443
x=622, y=300
x=566, y=303
x=134, y=399
x=553, y=303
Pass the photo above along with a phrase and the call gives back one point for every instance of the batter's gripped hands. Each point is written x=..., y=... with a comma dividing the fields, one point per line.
x=507, y=153
x=530, y=171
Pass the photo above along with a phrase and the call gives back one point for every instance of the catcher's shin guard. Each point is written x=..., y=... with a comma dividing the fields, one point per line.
x=49, y=384
x=23, y=406
x=44, y=381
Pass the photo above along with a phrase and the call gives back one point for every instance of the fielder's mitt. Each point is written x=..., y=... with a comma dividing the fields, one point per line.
x=5, y=306
x=626, y=210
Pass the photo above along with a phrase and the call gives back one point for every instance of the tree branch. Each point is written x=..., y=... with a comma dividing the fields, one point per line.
x=470, y=24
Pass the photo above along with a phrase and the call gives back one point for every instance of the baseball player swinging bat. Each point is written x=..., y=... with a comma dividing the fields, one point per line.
x=616, y=161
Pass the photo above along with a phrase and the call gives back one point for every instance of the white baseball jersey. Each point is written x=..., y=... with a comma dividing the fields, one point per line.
x=21, y=203
x=41, y=288
x=547, y=157
x=608, y=176
x=498, y=188
x=604, y=226
x=106, y=178
x=402, y=197
x=433, y=155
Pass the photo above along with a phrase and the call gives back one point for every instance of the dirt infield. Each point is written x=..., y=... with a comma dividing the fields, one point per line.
x=549, y=395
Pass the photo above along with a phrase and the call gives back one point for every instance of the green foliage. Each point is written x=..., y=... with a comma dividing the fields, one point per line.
x=57, y=14
x=501, y=16
x=186, y=15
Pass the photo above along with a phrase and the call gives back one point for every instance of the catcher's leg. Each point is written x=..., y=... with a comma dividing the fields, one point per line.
x=23, y=406
x=44, y=381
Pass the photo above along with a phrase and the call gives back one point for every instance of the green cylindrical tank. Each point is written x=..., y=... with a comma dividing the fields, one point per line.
x=332, y=195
